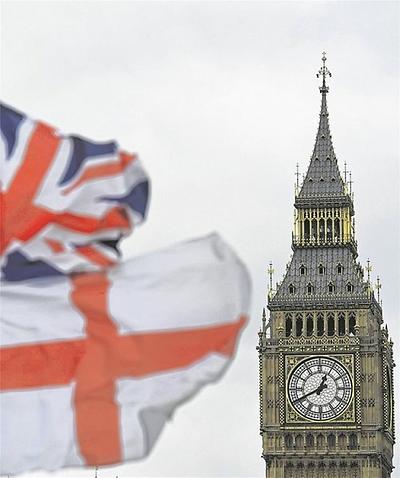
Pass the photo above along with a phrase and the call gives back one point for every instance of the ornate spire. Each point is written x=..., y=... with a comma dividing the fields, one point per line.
x=323, y=177
x=324, y=72
x=271, y=275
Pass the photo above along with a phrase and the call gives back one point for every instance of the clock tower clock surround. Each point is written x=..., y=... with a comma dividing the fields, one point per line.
x=326, y=359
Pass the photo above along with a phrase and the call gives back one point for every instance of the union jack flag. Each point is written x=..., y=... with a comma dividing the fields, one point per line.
x=65, y=201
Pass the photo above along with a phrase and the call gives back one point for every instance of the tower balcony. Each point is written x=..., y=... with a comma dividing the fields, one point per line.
x=325, y=241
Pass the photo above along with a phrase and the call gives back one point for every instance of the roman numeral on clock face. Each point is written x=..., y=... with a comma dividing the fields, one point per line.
x=320, y=388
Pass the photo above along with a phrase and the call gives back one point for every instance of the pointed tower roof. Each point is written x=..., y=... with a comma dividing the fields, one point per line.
x=323, y=269
x=323, y=178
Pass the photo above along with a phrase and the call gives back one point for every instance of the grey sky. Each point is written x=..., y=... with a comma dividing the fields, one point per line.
x=220, y=100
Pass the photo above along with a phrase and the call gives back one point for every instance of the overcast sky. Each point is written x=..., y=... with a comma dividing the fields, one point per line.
x=220, y=100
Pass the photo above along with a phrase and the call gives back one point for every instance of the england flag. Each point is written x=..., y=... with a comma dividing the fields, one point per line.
x=96, y=352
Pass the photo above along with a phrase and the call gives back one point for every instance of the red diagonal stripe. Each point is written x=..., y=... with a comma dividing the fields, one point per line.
x=17, y=202
x=94, y=256
x=56, y=246
x=36, y=218
x=22, y=219
x=102, y=171
x=114, y=218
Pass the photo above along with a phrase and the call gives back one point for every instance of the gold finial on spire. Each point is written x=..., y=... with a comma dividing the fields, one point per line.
x=270, y=271
x=368, y=268
x=324, y=72
x=264, y=322
x=350, y=184
x=378, y=289
x=297, y=174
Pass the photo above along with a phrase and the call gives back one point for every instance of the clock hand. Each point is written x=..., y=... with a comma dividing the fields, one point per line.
x=318, y=390
x=322, y=385
x=306, y=395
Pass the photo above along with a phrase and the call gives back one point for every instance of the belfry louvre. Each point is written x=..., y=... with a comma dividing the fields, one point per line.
x=326, y=360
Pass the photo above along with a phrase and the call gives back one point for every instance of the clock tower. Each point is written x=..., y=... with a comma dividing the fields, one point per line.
x=326, y=362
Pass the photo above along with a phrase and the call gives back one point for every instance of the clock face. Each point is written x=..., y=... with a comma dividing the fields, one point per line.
x=320, y=388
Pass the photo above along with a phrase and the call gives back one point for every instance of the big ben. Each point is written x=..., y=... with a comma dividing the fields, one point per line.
x=326, y=360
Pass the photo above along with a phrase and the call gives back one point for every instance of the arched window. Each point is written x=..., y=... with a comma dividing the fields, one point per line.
x=299, y=325
x=349, y=287
x=342, y=441
x=339, y=268
x=321, y=269
x=331, y=288
x=321, y=229
x=310, y=324
x=341, y=324
x=329, y=229
x=320, y=325
x=331, y=441
x=289, y=325
x=310, y=441
x=331, y=324
x=314, y=229
x=289, y=470
x=337, y=229
x=320, y=441
x=289, y=441
x=292, y=289
x=303, y=269
x=299, y=442
x=353, y=442
x=310, y=288
x=307, y=229
x=352, y=323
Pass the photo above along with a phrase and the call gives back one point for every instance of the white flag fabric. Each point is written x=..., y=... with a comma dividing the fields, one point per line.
x=94, y=364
